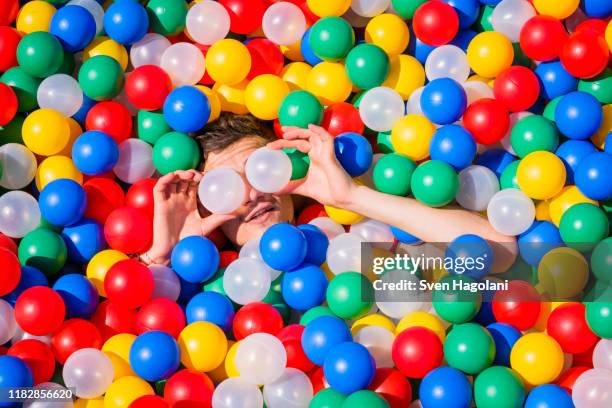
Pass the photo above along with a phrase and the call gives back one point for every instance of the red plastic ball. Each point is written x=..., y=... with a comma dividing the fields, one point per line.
x=518, y=306
x=542, y=38
x=278, y=129
x=593, y=26
x=11, y=271
x=311, y=212
x=73, y=335
x=257, y=317
x=567, y=378
x=160, y=314
x=128, y=230
x=435, y=23
x=567, y=324
x=217, y=237
x=317, y=379
x=149, y=401
x=37, y=355
x=147, y=87
x=8, y=243
x=585, y=358
x=111, y=319
x=266, y=57
x=416, y=351
x=189, y=388
x=341, y=118
x=487, y=120
x=517, y=87
x=291, y=337
x=103, y=197
x=9, y=40
x=8, y=101
x=112, y=118
x=226, y=258
x=129, y=283
x=584, y=54
x=245, y=15
x=393, y=386
x=206, y=78
x=8, y=11
x=140, y=196
x=39, y=310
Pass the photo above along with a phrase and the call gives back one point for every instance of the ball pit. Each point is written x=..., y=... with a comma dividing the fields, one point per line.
x=497, y=107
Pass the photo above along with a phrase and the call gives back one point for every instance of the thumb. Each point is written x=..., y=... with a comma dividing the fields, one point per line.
x=213, y=221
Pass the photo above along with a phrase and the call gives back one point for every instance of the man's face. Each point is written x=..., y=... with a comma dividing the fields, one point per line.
x=260, y=210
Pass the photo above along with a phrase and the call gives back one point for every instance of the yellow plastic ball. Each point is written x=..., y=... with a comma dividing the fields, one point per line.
x=75, y=132
x=324, y=8
x=45, y=132
x=541, y=175
x=344, y=217
x=295, y=75
x=329, y=82
x=422, y=319
x=411, y=136
x=373, y=320
x=559, y=204
x=292, y=52
x=125, y=390
x=117, y=349
x=99, y=265
x=89, y=403
x=228, y=61
x=599, y=138
x=609, y=35
x=389, y=32
x=543, y=211
x=232, y=97
x=213, y=100
x=537, y=358
x=264, y=94
x=489, y=53
x=109, y=47
x=35, y=16
x=559, y=9
x=563, y=273
x=56, y=167
x=405, y=75
x=219, y=374
x=230, y=361
x=203, y=346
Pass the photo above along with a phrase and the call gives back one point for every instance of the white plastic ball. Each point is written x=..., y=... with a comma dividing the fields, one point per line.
x=447, y=61
x=235, y=392
x=344, y=253
x=380, y=108
x=166, y=283
x=60, y=92
x=149, y=50
x=379, y=341
x=511, y=212
x=369, y=8
x=246, y=280
x=19, y=214
x=509, y=16
x=135, y=161
x=89, y=371
x=260, y=358
x=221, y=190
x=184, y=63
x=283, y=23
x=375, y=232
x=8, y=325
x=18, y=165
x=330, y=228
x=477, y=185
x=208, y=22
x=268, y=170
x=292, y=389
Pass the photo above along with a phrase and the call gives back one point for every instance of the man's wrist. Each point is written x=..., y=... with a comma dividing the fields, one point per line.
x=152, y=257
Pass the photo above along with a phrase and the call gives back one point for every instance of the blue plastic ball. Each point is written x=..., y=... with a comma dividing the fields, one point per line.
x=472, y=256
x=349, y=367
x=593, y=176
x=495, y=160
x=554, y=79
x=419, y=49
x=578, y=115
x=304, y=288
x=608, y=143
x=504, y=337
x=95, y=153
x=354, y=153
x=195, y=259
x=538, y=240
x=86, y=106
x=283, y=247
x=549, y=396
x=62, y=202
x=74, y=26
x=316, y=244
x=463, y=38
x=14, y=373
x=30, y=276
x=309, y=56
x=188, y=291
x=443, y=101
x=79, y=294
x=186, y=109
x=597, y=8
x=445, y=387
x=155, y=356
x=126, y=21
x=404, y=237
x=454, y=145
x=211, y=307
x=572, y=152
x=467, y=10
x=321, y=335
x=83, y=240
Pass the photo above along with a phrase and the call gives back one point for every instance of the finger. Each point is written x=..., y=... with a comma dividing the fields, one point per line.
x=301, y=145
x=321, y=133
x=184, y=183
x=298, y=134
x=292, y=186
x=214, y=221
x=164, y=186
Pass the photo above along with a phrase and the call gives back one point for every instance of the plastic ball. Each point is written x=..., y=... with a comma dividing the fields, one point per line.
x=128, y=283
x=344, y=253
x=160, y=314
x=348, y=295
x=20, y=214
x=45, y=132
x=349, y=367
x=454, y=145
x=389, y=32
x=583, y=225
x=331, y=38
x=542, y=37
x=40, y=54
x=490, y=53
x=101, y=78
x=105, y=46
x=498, y=385
x=329, y=82
x=443, y=101
x=589, y=176
x=549, y=395
x=487, y=120
x=147, y=362
x=112, y=319
x=95, y=153
x=74, y=26
x=260, y=357
x=541, y=175
x=533, y=133
x=184, y=63
x=39, y=310
x=79, y=295
x=435, y=23
x=125, y=390
x=504, y=336
x=509, y=16
x=354, y=153
x=321, y=335
x=9, y=40
x=13, y=272
x=266, y=57
x=211, y=307
x=221, y=190
x=392, y=174
x=112, y=118
x=283, y=246
x=584, y=54
x=246, y=280
x=300, y=108
x=257, y=317
x=167, y=17
x=128, y=230
x=380, y=108
x=537, y=358
x=60, y=92
x=186, y=109
x=447, y=61
x=578, y=115
x=416, y=351
x=469, y=348
x=148, y=86
x=268, y=170
x=517, y=88
x=378, y=340
x=445, y=386
x=203, y=346
x=44, y=249
x=264, y=95
x=510, y=211
x=175, y=151
x=37, y=355
x=292, y=387
x=367, y=66
x=195, y=259
x=188, y=387
x=15, y=373
x=434, y=183
x=283, y=23
x=73, y=335
x=567, y=324
x=237, y=392
x=62, y=202
x=149, y=50
x=342, y=118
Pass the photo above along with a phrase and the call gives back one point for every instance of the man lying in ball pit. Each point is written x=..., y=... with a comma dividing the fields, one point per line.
x=229, y=141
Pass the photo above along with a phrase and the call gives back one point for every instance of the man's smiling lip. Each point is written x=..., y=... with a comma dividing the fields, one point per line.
x=266, y=208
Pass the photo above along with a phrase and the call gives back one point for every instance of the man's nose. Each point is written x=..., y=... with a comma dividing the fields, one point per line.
x=253, y=195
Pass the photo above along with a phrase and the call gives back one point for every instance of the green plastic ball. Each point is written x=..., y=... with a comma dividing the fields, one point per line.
x=346, y=293
x=43, y=249
x=315, y=312
x=456, y=306
x=583, y=225
x=435, y=183
x=331, y=38
x=11, y=132
x=367, y=66
x=215, y=284
x=406, y=8
x=508, y=177
x=25, y=87
x=40, y=54
x=483, y=22
x=600, y=86
x=599, y=318
x=167, y=17
x=549, y=110
x=151, y=126
x=601, y=261
x=469, y=347
x=101, y=78
x=365, y=398
x=520, y=58
x=392, y=174
x=300, y=162
x=533, y=133
x=68, y=64
x=327, y=398
x=383, y=142
x=300, y=108
x=498, y=387
x=175, y=151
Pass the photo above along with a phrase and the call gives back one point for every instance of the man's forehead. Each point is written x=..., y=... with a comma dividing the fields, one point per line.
x=235, y=155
